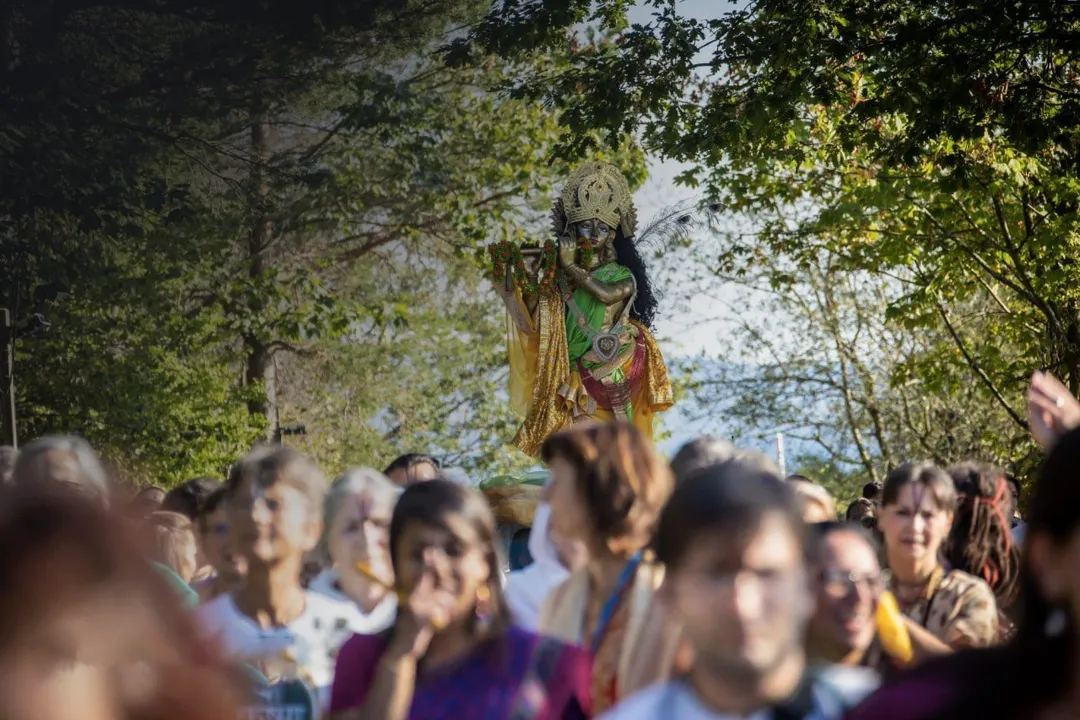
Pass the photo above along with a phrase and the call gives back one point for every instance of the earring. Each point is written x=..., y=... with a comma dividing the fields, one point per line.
x=483, y=606
x=1056, y=622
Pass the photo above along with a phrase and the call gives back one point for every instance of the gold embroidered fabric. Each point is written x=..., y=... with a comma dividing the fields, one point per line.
x=540, y=364
x=550, y=395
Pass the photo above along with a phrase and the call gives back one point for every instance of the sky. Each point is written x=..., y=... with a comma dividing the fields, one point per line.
x=696, y=333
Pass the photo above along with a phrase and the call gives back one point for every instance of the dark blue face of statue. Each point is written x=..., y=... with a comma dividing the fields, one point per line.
x=596, y=231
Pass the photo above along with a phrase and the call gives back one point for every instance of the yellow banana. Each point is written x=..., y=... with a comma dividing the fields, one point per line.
x=891, y=630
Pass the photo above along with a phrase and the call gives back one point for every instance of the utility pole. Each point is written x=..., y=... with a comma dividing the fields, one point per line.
x=7, y=380
x=780, y=459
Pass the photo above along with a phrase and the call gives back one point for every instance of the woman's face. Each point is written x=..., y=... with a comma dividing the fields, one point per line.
x=360, y=534
x=453, y=555
x=569, y=521
x=914, y=526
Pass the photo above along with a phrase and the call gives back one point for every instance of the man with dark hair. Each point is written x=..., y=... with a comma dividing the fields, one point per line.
x=187, y=498
x=739, y=578
x=412, y=468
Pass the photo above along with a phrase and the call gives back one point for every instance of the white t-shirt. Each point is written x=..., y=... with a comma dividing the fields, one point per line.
x=837, y=690
x=361, y=623
x=312, y=640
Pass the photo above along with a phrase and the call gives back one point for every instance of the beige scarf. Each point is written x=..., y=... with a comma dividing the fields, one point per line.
x=651, y=640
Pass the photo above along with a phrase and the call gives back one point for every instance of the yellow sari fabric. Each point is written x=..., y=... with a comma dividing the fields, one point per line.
x=542, y=383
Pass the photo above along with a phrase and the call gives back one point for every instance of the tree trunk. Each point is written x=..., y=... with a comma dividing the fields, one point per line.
x=260, y=356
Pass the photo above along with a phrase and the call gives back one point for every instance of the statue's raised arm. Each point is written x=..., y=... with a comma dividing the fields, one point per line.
x=580, y=310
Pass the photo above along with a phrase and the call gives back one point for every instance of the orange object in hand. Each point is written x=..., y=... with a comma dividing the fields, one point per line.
x=895, y=640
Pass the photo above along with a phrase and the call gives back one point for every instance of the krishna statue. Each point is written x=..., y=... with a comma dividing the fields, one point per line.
x=579, y=312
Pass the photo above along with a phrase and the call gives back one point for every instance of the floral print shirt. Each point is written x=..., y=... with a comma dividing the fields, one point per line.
x=958, y=608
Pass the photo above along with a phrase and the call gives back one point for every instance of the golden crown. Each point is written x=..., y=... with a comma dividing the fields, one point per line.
x=598, y=191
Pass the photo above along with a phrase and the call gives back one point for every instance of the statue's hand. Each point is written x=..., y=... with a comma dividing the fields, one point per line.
x=567, y=251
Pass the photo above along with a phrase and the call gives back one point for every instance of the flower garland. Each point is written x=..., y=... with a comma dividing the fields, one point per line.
x=506, y=254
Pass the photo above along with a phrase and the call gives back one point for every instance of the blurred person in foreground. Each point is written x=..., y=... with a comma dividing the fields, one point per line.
x=88, y=630
x=1036, y=676
x=64, y=460
x=275, y=499
x=215, y=545
x=739, y=578
x=452, y=651
x=847, y=624
x=607, y=489
x=355, y=547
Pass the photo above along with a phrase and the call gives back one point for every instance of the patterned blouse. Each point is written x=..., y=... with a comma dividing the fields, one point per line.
x=959, y=609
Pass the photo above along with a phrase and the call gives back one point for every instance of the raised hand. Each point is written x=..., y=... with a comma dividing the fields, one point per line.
x=427, y=611
x=1052, y=410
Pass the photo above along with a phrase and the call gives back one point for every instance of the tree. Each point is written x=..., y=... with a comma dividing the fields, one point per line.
x=930, y=141
x=308, y=198
x=818, y=360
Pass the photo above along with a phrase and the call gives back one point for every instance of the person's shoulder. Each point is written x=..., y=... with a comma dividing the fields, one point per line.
x=963, y=583
x=645, y=703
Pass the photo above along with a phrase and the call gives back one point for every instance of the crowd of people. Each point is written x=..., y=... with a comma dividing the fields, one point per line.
x=710, y=587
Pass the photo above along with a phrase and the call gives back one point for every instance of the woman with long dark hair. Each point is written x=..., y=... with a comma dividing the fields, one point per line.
x=980, y=542
x=452, y=652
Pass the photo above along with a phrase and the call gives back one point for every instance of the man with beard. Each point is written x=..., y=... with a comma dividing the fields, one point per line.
x=738, y=578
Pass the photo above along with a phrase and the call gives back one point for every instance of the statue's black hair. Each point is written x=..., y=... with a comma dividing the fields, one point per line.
x=627, y=255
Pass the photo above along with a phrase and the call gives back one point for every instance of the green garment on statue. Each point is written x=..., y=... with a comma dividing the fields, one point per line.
x=577, y=342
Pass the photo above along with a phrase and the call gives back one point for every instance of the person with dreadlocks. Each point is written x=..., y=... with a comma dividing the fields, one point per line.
x=980, y=542
x=580, y=311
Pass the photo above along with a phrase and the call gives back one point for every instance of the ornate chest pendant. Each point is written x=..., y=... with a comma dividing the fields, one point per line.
x=606, y=346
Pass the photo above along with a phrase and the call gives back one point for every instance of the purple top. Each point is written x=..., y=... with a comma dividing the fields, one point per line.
x=520, y=676
x=908, y=699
